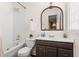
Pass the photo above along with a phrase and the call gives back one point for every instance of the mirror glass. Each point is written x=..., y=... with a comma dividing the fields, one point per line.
x=52, y=19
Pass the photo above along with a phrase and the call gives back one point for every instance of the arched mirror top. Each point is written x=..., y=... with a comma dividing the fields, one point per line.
x=52, y=19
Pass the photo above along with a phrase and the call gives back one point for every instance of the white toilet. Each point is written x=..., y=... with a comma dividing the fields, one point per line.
x=25, y=51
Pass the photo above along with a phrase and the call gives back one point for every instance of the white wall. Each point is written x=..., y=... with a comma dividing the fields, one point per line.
x=34, y=11
x=73, y=24
x=6, y=24
x=74, y=16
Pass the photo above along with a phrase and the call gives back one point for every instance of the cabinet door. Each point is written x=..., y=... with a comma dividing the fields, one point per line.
x=51, y=51
x=65, y=52
x=40, y=51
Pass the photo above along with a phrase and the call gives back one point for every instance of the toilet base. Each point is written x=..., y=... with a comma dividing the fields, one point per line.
x=24, y=52
x=24, y=55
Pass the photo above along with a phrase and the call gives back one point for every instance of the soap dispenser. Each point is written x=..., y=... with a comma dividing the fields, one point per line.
x=65, y=35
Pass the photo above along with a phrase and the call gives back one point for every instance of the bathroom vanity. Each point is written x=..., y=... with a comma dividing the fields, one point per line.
x=54, y=48
x=47, y=45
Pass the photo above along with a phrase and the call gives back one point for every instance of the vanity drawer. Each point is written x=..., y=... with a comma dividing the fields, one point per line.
x=40, y=42
x=47, y=43
x=55, y=44
x=65, y=52
x=65, y=45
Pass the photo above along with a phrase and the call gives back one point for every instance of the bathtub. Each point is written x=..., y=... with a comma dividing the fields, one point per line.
x=12, y=52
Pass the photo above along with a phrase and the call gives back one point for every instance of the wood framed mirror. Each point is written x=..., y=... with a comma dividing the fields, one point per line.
x=52, y=19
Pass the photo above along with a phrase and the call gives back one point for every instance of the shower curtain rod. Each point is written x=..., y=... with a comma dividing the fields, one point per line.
x=21, y=5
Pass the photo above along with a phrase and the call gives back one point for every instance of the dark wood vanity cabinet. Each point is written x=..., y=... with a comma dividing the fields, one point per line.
x=53, y=49
x=65, y=52
x=41, y=50
x=50, y=50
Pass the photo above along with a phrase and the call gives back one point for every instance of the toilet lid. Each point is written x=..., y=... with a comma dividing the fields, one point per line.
x=24, y=50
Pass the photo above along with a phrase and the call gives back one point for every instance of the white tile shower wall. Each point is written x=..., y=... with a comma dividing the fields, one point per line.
x=12, y=23
x=6, y=24
x=20, y=23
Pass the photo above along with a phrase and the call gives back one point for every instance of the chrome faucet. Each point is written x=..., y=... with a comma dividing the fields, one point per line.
x=43, y=34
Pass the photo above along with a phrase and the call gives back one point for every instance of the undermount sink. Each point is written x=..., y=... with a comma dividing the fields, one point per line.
x=46, y=38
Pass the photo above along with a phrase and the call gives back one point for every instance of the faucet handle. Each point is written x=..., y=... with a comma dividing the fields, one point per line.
x=18, y=37
x=43, y=34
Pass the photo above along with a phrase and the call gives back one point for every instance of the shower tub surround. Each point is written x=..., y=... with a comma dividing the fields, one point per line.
x=12, y=52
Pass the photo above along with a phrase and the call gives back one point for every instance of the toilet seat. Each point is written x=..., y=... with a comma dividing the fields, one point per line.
x=24, y=52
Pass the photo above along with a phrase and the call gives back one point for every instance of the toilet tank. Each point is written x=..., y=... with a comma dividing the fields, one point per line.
x=30, y=42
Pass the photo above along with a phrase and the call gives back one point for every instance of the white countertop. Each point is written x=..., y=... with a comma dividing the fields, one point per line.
x=56, y=39
x=72, y=40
